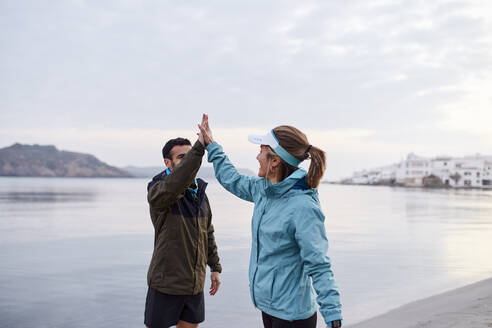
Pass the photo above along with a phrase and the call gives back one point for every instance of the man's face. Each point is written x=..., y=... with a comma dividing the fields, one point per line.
x=177, y=153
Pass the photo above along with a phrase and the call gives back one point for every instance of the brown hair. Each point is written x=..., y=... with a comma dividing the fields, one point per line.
x=295, y=143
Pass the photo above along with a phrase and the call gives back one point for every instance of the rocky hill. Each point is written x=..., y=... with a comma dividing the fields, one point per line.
x=47, y=161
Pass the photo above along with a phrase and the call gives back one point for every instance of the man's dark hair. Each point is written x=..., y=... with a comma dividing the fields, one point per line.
x=171, y=143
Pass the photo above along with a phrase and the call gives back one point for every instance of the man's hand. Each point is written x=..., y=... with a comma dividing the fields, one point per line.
x=205, y=135
x=200, y=138
x=214, y=287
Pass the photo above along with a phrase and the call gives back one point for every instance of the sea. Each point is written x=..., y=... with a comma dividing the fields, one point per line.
x=75, y=252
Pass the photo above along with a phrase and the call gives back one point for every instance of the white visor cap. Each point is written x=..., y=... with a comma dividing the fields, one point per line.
x=269, y=139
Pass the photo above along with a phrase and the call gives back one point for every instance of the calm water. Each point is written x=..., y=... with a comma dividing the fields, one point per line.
x=74, y=252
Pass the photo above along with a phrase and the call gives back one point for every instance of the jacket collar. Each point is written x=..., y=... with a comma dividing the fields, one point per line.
x=199, y=189
x=297, y=179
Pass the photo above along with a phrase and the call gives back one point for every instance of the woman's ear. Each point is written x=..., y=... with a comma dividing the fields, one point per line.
x=275, y=162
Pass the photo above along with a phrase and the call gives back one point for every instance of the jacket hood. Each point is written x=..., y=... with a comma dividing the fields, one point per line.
x=297, y=180
x=156, y=179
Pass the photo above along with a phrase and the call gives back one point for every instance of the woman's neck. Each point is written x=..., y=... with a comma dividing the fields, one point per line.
x=273, y=179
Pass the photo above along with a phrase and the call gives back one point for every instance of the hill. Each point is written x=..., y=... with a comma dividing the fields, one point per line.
x=47, y=161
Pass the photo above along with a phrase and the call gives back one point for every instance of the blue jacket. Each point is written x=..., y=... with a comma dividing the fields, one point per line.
x=289, y=243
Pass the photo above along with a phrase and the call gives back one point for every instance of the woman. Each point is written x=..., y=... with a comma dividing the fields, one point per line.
x=289, y=241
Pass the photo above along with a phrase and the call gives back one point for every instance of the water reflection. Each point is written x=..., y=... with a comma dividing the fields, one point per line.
x=46, y=196
x=389, y=246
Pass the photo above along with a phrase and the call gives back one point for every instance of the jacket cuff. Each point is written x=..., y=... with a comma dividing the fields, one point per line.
x=198, y=148
x=212, y=145
x=332, y=316
x=212, y=149
x=216, y=268
x=331, y=325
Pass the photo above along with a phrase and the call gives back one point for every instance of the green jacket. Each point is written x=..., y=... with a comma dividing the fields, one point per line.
x=184, y=235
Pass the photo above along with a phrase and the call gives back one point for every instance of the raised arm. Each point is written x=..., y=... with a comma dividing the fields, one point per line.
x=243, y=186
x=164, y=193
x=311, y=238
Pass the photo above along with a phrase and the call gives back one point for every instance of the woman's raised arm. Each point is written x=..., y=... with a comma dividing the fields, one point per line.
x=243, y=186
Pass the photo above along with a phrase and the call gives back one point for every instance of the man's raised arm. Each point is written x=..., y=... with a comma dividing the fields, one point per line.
x=165, y=192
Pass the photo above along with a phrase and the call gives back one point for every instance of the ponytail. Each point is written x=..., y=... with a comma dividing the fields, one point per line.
x=317, y=167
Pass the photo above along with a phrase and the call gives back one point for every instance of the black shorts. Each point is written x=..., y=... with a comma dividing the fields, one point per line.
x=163, y=310
x=274, y=322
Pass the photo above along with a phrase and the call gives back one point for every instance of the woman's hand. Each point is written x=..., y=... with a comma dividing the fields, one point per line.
x=205, y=135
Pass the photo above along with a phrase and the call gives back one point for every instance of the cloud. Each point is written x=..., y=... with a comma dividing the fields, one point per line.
x=473, y=112
x=381, y=68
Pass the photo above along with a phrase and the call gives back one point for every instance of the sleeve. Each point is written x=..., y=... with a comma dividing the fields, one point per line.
x=166, y=192
x=311, y=238
x=242, y=186
x=213, y=260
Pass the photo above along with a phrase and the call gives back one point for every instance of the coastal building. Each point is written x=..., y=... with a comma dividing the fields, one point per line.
x=412, y=170
x=387, y=174
x=380, y=175
x=359, y=177
x=487, y=174
x=442, y=167
x=441, y=171
x=468, y=171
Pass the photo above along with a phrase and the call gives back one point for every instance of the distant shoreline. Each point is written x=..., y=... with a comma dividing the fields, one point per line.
x=208, y=178
x=469, y=306
x=405, y=187
x=64, y=177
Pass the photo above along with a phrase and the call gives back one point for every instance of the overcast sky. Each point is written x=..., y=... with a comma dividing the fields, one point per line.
x=367, y=81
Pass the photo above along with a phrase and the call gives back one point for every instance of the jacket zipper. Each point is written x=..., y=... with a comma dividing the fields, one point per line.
x=197, y=242
x=257, y=253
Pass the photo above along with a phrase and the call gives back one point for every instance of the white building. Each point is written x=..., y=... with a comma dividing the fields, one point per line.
x=443, y=167
x=412, y=170
x=463, y=172
x=387, y=174
x=380, y=175
x=468, y=171
x=359, y=177
x=487, y=174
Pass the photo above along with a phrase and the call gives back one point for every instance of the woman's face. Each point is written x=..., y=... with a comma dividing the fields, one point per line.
x=263, y=160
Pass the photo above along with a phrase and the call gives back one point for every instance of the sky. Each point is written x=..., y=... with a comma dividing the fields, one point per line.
x=368, y=81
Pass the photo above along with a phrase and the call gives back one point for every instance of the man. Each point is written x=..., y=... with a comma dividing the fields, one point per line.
x=184, y=240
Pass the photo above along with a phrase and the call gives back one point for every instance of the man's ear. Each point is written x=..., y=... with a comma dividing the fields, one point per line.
x=168, y=163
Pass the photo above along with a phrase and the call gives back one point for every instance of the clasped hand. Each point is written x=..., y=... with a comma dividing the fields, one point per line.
x=205, y=134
